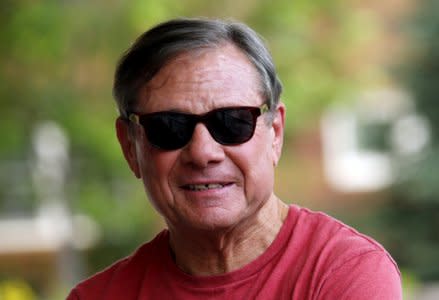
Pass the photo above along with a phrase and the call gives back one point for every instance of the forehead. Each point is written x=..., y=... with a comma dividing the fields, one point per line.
x=202, y=80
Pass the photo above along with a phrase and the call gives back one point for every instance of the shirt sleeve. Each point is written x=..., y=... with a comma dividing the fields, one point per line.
x=73, y=295
x=369, y=276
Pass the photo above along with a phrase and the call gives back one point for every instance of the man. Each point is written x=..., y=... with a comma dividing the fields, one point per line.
x=202, y=126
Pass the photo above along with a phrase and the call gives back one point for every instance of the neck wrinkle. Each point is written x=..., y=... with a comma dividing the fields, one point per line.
x=208, y=253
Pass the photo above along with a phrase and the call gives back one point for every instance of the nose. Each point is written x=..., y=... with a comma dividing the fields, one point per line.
x=202, y=149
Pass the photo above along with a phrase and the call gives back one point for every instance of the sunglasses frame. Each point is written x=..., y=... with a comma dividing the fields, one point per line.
x=136, y=119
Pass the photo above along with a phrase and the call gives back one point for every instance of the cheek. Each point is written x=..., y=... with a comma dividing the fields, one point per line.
x=255, y=161
x=261, y=169
x=262, y=149
x=153, y=163
x=156, y=169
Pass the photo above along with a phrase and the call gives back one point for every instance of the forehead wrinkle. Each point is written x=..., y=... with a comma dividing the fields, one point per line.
x=206, y=74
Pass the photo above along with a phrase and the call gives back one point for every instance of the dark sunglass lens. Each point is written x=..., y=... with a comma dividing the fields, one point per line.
x=232, y=126
x=168, y=131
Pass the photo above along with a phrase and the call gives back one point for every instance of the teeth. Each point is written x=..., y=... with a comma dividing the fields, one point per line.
x=202, y=187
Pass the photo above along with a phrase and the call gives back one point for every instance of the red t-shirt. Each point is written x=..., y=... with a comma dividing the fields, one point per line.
x=313, y=257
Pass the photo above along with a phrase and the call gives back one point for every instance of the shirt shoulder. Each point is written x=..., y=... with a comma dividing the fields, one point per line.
x=346, y=264
x=127, y=272
x=331, y=237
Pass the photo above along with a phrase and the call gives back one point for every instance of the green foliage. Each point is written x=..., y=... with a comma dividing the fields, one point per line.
x=412, y=216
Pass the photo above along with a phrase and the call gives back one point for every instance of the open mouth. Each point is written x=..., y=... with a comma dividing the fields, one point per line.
x=204, y=187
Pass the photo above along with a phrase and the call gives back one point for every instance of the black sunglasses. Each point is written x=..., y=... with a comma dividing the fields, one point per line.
x=169, y=130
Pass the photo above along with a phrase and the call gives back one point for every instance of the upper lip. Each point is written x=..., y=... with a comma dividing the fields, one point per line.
x=204, y=182
x=188, y=178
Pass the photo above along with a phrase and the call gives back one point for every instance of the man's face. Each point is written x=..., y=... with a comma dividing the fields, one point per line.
x=206, y=185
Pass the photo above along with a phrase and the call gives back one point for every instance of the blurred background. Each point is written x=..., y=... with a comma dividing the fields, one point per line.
x=360, y=80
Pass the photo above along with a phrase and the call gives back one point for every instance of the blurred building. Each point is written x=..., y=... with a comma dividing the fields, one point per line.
x=39, y=244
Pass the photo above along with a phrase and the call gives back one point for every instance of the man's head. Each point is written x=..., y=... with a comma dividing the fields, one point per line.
x=204, y=93
x=156, y=47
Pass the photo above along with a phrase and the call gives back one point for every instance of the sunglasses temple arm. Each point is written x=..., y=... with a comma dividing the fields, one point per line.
x=134, y=118
x=264, y=108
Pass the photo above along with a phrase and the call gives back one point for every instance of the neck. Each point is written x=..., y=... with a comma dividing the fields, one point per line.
x=222, y=251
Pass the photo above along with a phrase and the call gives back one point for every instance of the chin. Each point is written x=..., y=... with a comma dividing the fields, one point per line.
x=218, y=221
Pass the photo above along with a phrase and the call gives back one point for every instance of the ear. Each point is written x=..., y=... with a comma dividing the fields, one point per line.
x=128, y=145
x=278, y=128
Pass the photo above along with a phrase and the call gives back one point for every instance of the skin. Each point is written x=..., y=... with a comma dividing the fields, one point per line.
x=221, y=229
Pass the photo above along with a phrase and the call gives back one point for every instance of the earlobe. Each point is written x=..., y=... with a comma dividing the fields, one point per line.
x=278, y=128
x=128, y=145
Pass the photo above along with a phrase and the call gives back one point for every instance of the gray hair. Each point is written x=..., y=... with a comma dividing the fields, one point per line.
x=157, y=46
